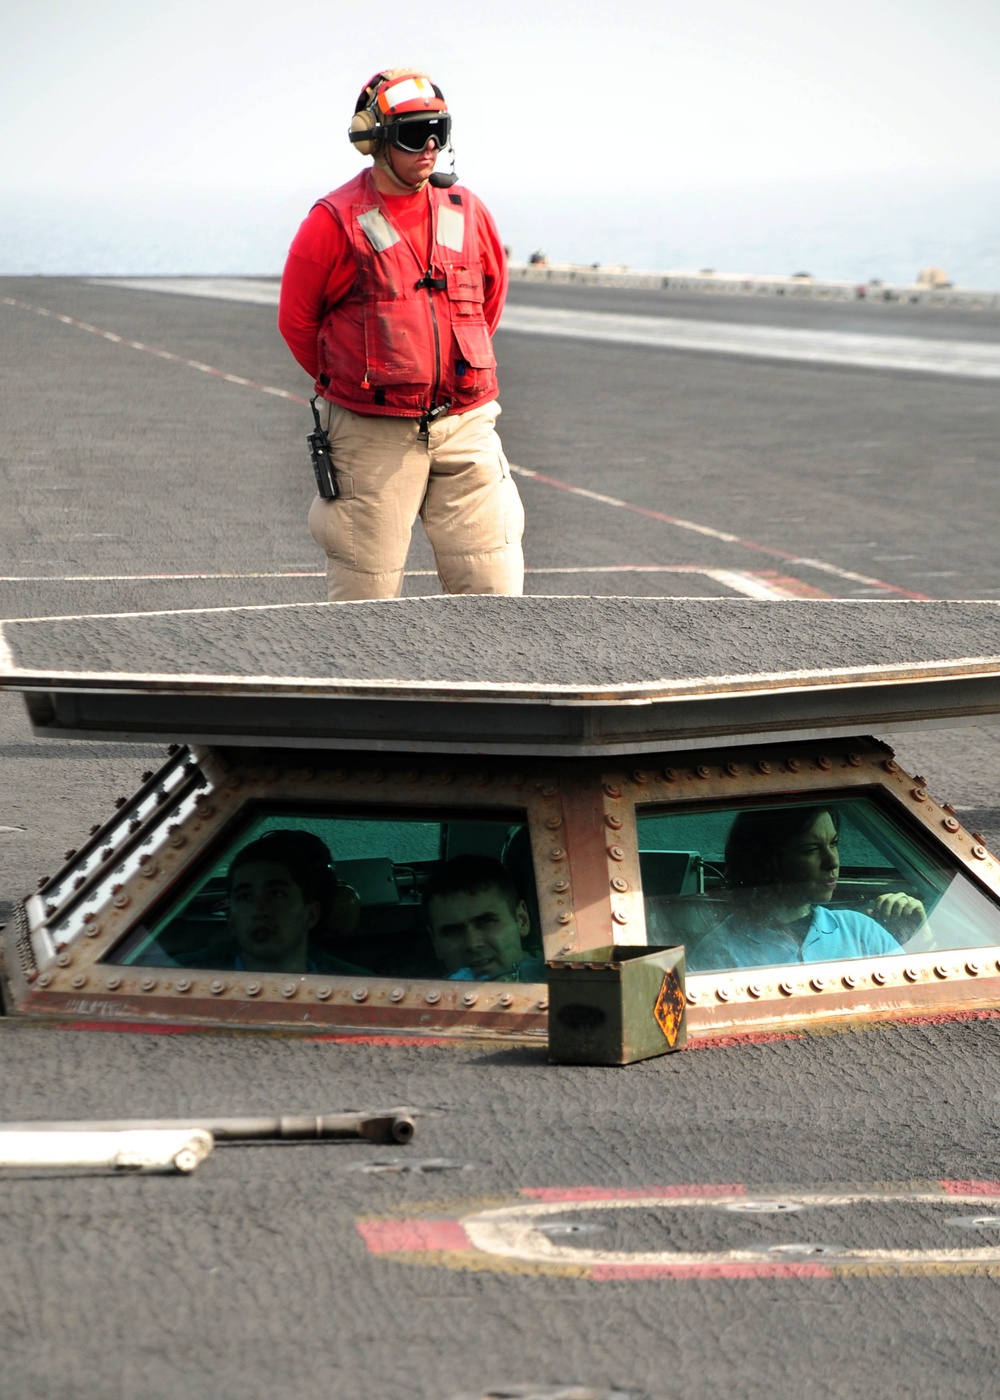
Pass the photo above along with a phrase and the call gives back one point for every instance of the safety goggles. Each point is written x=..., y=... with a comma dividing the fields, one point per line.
x=413, y=133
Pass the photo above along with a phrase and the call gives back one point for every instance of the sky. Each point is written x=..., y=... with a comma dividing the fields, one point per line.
x=120, y=99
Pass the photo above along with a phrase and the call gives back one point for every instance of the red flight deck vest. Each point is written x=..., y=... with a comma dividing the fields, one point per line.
x=402, y=342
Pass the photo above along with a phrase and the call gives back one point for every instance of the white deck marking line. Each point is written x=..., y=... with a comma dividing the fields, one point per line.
x=748, y=584
x=619, y=504
x=970, y=359
x=783, y=554
x=912, y=354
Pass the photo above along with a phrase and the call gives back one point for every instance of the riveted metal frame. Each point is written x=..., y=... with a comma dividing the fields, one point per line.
x=55, y=956
x=887, y=986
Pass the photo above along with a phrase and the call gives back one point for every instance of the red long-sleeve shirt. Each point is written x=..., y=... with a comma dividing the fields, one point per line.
x=321, y=269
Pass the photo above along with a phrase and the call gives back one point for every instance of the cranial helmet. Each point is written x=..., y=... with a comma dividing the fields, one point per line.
x=386, y=104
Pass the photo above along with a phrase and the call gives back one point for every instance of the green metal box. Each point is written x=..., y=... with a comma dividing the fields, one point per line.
x=616, y=1005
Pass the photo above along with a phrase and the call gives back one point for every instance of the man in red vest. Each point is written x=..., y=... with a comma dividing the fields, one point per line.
x=392, y=290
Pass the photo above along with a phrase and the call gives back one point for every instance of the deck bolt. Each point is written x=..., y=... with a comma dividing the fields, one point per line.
x=620, y=884
x=480, y=779
x=950, y=824
x=854, y=759
x=543, y=1004
x=691, y=995
x=763, y=766
x=323, y=993
x=980, y=852
x=639, y=776
x=549, y=790
x=849, y=980
x=253, y=989
x=557, y=853
x=78, y=980
x=824, y=763
x=786, y=988
x=359, y=994
x=912, y=974
x=616, y=853
x=148, y=984
x=942, y=971
x=289, y=989
x=217, y=987
x=432, y=998
x=506, y=1000
x=91, y=930
x=879, y=977
x=724, y=993
x=620, y=916
x=947, y=807
x=755, y=989
x=670, y=774
x=973, y=968
x=614, y=822
x=113, y=983
x=553, y=823
x=918, y=794
x=470, y=998
x=45, y=979
x=68, y=855
x=733, y=769
x=818, y=984
x=183, y=984
x=121, y=901
x=64, y=958
x=120, y=801
x=94, y=829
x=612, y=790
x=890, y=765
x=397, y=994
x=565, y=917
x=560, y=886
x=702, y=771
x=793, y=765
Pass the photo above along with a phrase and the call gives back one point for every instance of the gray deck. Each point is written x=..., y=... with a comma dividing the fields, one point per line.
x=563, y=675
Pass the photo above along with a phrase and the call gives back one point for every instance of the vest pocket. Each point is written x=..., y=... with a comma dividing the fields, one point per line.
x=474, y=343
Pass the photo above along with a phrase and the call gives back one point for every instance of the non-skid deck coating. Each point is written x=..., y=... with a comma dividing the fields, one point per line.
x=586, y=648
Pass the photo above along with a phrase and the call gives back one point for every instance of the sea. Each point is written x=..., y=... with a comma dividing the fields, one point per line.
x=861, y=230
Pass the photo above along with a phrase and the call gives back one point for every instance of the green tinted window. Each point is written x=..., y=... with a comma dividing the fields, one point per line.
x=296, y=891
x=759, y=885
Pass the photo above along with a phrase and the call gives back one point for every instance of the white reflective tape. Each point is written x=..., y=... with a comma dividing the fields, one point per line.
x=450, y=227
x=378, y=230
x=406, y=90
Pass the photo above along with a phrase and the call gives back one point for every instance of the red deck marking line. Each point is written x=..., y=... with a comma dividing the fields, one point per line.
x=723, y=535
x=628, y=1193
x=734, y=1038
x=131, y=1027
x=972, y=1188
x=349, y=1038
x=410, y=1236
x=604, y=1272
x=154, y=350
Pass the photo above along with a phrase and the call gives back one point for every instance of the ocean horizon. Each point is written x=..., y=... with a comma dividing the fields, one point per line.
x=857, y=230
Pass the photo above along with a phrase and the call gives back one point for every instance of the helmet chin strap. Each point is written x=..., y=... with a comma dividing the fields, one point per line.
x=384, y=161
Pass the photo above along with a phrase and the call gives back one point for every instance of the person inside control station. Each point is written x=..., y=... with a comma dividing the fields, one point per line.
x=479, y=924
x=284, y=899
x=782, y=867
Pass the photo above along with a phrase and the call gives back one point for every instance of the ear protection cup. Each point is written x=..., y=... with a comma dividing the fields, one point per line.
x=364, y=121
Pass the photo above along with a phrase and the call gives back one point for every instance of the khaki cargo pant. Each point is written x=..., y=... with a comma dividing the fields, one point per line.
x=459, y=484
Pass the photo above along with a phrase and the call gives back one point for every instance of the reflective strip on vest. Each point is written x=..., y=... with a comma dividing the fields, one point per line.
x=378, y=230
x=450, y=228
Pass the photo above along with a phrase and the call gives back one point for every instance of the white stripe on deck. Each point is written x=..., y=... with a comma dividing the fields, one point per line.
x=968, y=358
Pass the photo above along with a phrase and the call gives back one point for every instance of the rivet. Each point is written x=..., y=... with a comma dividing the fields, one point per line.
x=912, y=974
x=793, y=765
x=980, y=852
x=950, y=824
x=506, y=1000
x=516, y=780
x=849, y=980
x=818, y=984
x=183, y=984
x=755, y=989
x=616, y=853
x=620, y=884
x=566, y=948
x=480, y=779
x=724, y=993
x=557, y=853
x=854, y=759
x=176, y=838
x=270, y=775
x=397, y=994
x=638, y=776
x=151, y=871
x=549, y=790
x=763, y=766
x=619, y=916
x=565, y=917
x=289, y=989
x=340, y=775
x=825, y=763
x=359, y=994
x=121, y=901
x=612, y=789
x=113, y=983
x=307, y=775
x=890, y=765
x=64, y=959
x=614, y=822
x=701, y=771
x=91, y=930
x=942, y=971
x=148, y=984
x=560, y=886
x=918, y=794
x=204, y=809
x=879, y=977
x=670, y=774
x=79, y=979
x=973, y=968
x=786, y=988
x=233, y=782
x=553, y=823
x=691, y=995
x=543, y=1004
x=470, y=998
x=323, y=993
x=217, y=987
x=45, y=979
x=433, y=998
x=254, y=989
x=733, y=769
